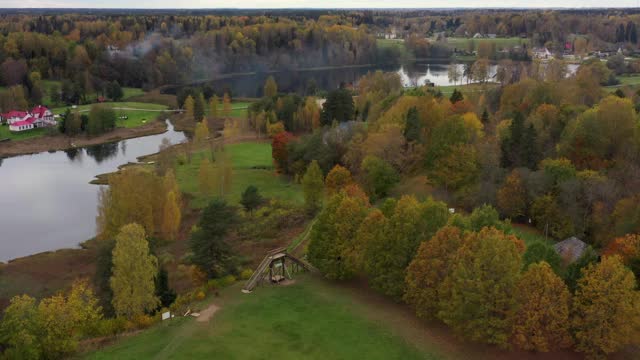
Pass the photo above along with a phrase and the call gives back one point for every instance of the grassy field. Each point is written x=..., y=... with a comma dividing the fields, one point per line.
x=470, y=43
x=252, y=165
x=128, y=92
x=529, y=234
x=473, y=87
x=23, y=135
x=136, y=117
x=307, y=320
x=238, y=109
x=625, y=80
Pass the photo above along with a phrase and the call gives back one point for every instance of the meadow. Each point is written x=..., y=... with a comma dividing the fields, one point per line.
x=310, y=319
x=135, y=118
x=252, y=165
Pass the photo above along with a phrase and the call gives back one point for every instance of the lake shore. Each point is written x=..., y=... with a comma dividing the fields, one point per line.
x=63, y=142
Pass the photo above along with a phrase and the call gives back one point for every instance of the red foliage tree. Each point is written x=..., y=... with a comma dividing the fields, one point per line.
x=279, y=150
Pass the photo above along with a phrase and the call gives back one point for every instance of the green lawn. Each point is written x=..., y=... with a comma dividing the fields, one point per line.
x=307, y=320
x=238, y=109
x=474, y=87
x=529, y=234
x=625, y=80
x=136, y=117
x=252, y=165
x=128, y=92
x=22, y=135
x=501, y=43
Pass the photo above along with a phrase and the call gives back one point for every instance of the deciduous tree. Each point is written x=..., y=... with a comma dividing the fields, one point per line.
x=606, y=308
x=313, y=187
x=541, y=319
x=134, y=271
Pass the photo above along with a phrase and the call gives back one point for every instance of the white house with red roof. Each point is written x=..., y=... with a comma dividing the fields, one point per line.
x=40, y=116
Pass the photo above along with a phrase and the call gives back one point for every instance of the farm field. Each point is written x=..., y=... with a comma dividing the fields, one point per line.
x=252, y=165
x=309, y=319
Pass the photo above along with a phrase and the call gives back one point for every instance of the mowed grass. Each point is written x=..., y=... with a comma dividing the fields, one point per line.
x=473, y=87
x=238, y=109
x=21, y=135
x=625, y=80
x=252, y=165
x=127, y=92
x=135, y=117
x=501, y=43
x=529, y=234
x=306, y=320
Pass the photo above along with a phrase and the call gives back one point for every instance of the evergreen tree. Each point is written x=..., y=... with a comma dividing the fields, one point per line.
x=251, y=198
x=456, y=96
x=166, y=295
x=198, y=107
x=413, y=126
x=484, y=117
x=339, y=106
x=210, y=252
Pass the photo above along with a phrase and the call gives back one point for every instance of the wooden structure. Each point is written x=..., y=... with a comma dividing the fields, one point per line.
x=277, y=266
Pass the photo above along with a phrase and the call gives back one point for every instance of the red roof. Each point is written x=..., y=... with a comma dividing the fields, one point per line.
x=14, y=114
x=39, y=111
x=28, y=121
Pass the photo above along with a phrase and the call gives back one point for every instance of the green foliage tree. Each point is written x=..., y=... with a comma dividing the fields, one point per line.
x=251, y=198
x=209, y=250
x=19, y=329
x=114, y=91
x=540, y=251
x=198, y=107
x=101, y=119
x=413, y=126
x=606, y=308
x=456, y=96
x=313, y=187
x=481, y=285
x=575, y=269
x=549, y=218
x=339, y=106
x=379, y=176
x=134, y=272
x=541, y=318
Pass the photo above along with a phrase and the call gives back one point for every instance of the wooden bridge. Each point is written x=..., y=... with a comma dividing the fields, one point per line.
x=277, y=266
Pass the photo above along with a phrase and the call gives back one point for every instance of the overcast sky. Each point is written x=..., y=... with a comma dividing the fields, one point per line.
x=312, y=3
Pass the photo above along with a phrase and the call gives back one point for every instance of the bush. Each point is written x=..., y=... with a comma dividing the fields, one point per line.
x=246, y=274
x=144, y=321
x=200, y=295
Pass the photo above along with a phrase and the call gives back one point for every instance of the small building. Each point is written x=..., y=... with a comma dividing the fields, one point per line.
x=541, y=53
x=570, y=249
x=39, y=116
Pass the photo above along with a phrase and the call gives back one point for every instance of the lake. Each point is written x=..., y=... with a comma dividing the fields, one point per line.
x=304, y=81
x=46, y=200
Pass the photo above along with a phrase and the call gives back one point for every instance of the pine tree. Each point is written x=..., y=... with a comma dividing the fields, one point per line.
x=413, y=126
x=210, y=251
x=198, y=108
x=456, y=96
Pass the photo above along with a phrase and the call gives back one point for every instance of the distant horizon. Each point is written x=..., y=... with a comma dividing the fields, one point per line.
x=313, y=5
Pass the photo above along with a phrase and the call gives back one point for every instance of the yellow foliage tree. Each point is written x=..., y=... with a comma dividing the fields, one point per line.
x=337, y=179
x=213, y=107
x=512, y=196
x=171, y=217
x=606, y=308
x=541, y=319
x=201, y=133
x=189, y=106
x=226, y=105
x=134, y=271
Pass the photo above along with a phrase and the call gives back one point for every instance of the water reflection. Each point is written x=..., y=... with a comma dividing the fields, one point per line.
x=46, y=201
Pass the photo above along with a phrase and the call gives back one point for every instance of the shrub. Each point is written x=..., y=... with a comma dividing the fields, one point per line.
x=246, y=274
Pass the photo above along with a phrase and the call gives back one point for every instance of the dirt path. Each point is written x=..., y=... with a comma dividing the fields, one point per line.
x=208, y=313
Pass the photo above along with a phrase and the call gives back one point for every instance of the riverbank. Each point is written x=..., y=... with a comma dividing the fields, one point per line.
x=64, y=142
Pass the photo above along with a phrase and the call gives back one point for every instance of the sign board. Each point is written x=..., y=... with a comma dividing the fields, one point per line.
x=166, y=315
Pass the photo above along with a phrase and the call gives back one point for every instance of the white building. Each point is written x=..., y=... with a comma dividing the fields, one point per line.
x=40, y=116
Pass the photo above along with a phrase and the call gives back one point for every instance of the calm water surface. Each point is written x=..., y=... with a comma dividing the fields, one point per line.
x=46, y=201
